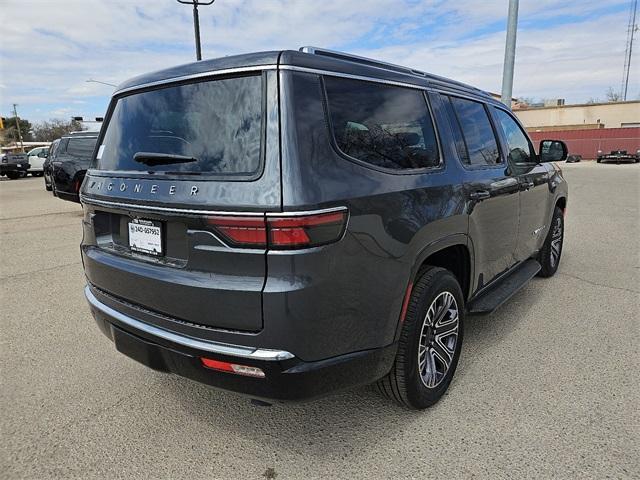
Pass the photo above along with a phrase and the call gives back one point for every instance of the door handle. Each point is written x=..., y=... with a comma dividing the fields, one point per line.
x=527, y=185
x=479, y=195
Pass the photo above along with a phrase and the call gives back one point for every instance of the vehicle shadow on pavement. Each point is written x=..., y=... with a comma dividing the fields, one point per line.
x=324, y=426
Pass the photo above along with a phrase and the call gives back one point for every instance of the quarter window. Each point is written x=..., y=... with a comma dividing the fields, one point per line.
x=480, y=146
x=520, y=150
x=385, y=126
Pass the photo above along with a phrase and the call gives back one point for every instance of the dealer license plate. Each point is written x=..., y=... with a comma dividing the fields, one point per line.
x=145, y=236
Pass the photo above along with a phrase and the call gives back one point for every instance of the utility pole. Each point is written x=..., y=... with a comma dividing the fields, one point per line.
x=632, y=28
x=196, y=22
x=15, y=114
x=510, y=53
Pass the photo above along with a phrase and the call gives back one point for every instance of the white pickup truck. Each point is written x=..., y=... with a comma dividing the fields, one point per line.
x=37, y=156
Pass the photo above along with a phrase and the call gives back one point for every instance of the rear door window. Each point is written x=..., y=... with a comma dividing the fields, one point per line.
x=210, y=127
x=479, y=146
x=382, y=125
x=81, y=147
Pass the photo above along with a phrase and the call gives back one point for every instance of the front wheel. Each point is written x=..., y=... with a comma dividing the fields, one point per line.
x=549, y=256
x=430, y=341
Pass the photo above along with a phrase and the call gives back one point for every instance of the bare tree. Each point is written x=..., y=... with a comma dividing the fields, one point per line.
x=53, y=129
x=613, y=96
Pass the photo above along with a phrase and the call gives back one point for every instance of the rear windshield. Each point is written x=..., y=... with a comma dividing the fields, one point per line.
x=81, y=147
x=208, y=127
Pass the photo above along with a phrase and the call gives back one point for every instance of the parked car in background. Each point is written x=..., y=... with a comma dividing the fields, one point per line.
x=618, y=156
x=14, y=165
x=46, y=165
x=36, y=158
x=287, y=224
x=70, y=163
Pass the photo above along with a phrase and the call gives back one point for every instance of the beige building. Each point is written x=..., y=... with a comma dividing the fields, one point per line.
x=576, y=117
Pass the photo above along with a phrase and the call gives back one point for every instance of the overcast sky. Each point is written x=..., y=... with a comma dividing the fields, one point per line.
x=572, y=49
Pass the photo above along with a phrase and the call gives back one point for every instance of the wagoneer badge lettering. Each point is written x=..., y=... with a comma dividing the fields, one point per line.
x=140, y=188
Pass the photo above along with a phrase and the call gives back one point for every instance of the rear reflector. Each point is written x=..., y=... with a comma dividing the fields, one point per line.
x=280, y=232
x=232, y=368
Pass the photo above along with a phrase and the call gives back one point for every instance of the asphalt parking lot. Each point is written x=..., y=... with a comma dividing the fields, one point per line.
x=548, y=386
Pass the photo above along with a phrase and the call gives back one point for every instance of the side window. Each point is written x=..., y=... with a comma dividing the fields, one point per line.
x=475, y=128
x=382, y=125
x=53, y=149
x=520, y=150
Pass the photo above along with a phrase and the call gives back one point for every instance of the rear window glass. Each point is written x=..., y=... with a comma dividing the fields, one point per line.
x=382, y=125
x=208, y=127
x=480, y=146
x=81, y=147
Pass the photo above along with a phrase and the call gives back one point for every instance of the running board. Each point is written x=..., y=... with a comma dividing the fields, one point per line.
x=506, y=287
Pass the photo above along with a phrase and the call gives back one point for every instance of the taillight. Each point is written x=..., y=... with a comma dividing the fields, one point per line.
x=280, y=231
x=241, y=231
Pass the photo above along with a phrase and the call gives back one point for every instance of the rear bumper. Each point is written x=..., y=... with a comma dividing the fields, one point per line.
x=287, y=378
x=13, y=167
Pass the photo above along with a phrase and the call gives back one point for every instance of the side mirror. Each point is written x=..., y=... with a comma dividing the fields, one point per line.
x=553, y=151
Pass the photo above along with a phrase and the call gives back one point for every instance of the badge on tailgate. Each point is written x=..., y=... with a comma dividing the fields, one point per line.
x=145, y=236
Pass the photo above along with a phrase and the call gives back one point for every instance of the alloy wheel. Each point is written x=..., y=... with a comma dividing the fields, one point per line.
x=438, y=339
x=556, y=242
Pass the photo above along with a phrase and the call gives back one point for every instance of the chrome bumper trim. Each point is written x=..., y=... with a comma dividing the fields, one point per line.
x=213, y=347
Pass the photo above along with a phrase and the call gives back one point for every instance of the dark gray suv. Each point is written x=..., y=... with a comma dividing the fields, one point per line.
x=287, y=224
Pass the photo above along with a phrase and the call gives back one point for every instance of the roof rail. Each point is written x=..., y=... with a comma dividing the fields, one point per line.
x=393, y=67
x=363, y=60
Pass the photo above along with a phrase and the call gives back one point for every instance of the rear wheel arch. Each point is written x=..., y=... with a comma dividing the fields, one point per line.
x=453, y=253
x=561, y=203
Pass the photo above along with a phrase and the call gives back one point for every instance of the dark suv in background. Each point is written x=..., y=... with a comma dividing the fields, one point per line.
x=287, y=224
x=68, y=160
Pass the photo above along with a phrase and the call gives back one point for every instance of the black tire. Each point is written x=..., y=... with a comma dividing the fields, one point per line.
x=404, y=383
x=551, y=252
x=13, y=175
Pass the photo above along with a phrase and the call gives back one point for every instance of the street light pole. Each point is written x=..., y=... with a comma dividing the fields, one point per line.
x=91, y=80
x=510, y=53
x=196, y=22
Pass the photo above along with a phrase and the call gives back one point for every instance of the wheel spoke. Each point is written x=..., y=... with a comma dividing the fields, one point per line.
x=446, y=329
x=443, y=354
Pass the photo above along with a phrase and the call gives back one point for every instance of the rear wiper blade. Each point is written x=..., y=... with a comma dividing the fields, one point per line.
x=181, y=172
x=151, y=159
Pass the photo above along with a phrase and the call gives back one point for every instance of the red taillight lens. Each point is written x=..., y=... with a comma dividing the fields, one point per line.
x=281, y=232
x=307, y=230
x=241, y=231
x=232, y=368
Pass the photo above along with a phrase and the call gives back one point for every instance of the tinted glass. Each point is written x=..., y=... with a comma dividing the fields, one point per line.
x=217, y=123
x=480, y=141
x=385, y=126
x=519, y=147
x=81, y=147
x=54, y=148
